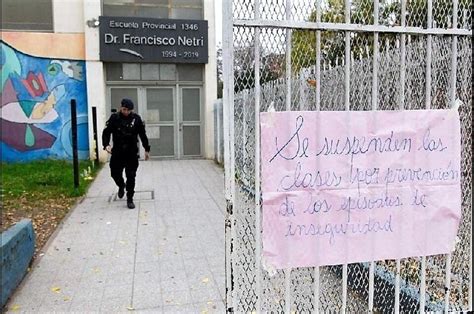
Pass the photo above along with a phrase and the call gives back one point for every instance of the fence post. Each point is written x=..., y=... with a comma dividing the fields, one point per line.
x=74, y=144
x=258, y=207
x=96, y=141
x=229, y=154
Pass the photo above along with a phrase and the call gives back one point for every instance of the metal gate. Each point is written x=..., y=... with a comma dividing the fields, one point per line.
x=341, y=55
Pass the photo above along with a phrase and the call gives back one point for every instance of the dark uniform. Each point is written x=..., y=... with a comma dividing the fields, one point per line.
x=125, y=131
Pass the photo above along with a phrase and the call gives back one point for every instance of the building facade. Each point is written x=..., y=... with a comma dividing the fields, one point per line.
x=159, y=53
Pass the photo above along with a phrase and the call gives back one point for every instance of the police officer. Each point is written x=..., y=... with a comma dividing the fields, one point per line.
x=125, y=127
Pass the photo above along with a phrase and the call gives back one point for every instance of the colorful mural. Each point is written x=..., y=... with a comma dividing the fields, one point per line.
x=35, y=106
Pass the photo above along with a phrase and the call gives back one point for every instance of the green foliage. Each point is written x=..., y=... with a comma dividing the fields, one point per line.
x=362, y=13
x=271, y=68
x=45, y=179
x=272, y=65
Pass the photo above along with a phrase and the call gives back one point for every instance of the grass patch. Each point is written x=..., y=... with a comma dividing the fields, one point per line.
x=42, y=191
x=44, y=179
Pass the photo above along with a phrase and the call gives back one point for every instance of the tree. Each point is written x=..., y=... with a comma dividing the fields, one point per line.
x=244, y=68
x=333, y=44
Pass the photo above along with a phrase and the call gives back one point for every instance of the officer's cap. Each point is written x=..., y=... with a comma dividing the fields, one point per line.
x=127, y=103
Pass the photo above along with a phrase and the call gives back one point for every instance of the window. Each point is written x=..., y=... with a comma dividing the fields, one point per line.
x=174, y=9
x=34, y=15
x=153, y=72
x=190, y=72
x=141, y=72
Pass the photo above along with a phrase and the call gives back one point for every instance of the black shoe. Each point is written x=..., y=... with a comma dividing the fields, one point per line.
x=130, y=204
x=121, y=192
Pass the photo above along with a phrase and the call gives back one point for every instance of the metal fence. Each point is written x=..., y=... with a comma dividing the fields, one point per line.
x=341, y=55
x=218, y=132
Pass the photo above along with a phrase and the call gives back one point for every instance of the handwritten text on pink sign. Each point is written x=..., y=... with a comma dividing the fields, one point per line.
x=344, y=187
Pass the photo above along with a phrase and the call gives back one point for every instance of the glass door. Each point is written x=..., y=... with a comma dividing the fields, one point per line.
x=160, y=121
x=190, y=121
x=116, y=94
x=172, y=115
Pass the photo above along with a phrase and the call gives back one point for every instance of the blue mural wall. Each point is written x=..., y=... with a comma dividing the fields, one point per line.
x=35, y=107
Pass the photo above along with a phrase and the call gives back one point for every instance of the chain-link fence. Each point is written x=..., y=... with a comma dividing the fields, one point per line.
x=342, y=55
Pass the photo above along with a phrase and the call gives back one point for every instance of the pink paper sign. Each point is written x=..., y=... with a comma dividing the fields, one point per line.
x=345, y=187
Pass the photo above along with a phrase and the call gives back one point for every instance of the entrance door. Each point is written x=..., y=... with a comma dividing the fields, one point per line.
x=160, y=117
x=172, y=116
x=190, y=121
x=173, y=123
x=118, y=93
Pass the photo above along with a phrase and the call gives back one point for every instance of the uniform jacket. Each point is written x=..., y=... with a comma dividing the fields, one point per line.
x=125, y=132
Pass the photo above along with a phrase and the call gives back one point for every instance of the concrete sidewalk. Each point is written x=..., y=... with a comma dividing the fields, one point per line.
x=164, y=256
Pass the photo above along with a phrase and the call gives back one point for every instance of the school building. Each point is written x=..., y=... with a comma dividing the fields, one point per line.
x=159, y=53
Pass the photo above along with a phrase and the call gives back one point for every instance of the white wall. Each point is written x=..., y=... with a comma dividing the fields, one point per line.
x=96, y=91
x=210, y=81
x=71, y=16
x=68, y=16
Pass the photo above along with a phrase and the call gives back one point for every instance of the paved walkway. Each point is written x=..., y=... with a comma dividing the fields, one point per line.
x=164, y=256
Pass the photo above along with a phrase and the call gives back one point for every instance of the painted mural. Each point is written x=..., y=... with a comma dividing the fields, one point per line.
x=35, y=106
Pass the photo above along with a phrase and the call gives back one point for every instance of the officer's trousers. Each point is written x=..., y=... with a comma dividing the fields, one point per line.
x=130, y=164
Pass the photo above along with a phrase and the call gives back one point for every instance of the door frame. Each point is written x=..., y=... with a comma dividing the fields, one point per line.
x=143, y=112
x=177, y=111
x=181, y=123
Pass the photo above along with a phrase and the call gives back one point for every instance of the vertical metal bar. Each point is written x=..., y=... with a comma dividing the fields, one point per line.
x=465, y=25
x=231, y=112
x=427, y=106
x=302, y=97
x=245, y=101
x=96, y=136
x=428, y=57
x=375, y=58
x=402, y=56
x=344, y=289
x=228, y=123
x=316, y=290
x=318, y=56
x=470, y=257
x=220, y=130
x=75, y=157
x=347, y=86
x=423, y=284
x=228, y=78
x=347, y=55
x=454, y=66
x=447, y=283
x=402, y=107
x=288, y=108
x=258, y=209
x=455, y=13
x=454, y=58
x=470, y=249
x=371, y=286
x=288, y=57
x=216, y=131
x=287, y=290
x=179, y=148
x=374, y=107
x=397, y=288
x=318, y=107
